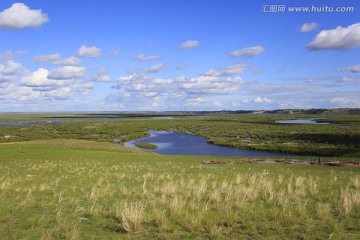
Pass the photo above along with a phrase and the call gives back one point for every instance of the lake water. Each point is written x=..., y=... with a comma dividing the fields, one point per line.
x=300, y=121
x=185, y=144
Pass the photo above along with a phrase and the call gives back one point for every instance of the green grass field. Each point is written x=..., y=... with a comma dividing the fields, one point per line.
x=76, y=189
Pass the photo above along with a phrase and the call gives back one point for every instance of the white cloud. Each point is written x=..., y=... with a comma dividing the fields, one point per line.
x=59, y=93
x=67, y=72
x=156, y=68
x=236, y=104
x=235, y=69
x=189, y=44
x=345, y=102
x=159, y=81
x=211, y=85
x=248, y=52
x=10, y=71
x=218, y=104
x=20, y=16
x=340, y=38
x=90, y=52
x=157, y=102
x=138, y=86
x=229, y=70
x=134, y=77
x=347, y=80
x=262, y=100
x=151, y=94
x=9, y=55
x=38, y=86
x=57, y=60
x=307, y=27
x=211, y=73
x=143, y=58
x=194, y=101
x=101, y=76
x=39, y=78
x=10, y=68
x=353, y=69
x=142, y=81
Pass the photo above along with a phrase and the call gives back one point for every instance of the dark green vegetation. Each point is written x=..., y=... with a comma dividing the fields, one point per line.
x=146, y=145
x=341, y=137
x=74, y=189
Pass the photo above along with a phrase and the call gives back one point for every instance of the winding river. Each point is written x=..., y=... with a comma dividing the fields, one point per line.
x=173, y=143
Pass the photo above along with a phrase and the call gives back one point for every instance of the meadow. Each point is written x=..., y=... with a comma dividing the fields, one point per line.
x=70, y=181
x=75, y=189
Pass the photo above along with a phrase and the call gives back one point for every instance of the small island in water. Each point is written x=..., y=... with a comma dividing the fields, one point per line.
x=146, y=145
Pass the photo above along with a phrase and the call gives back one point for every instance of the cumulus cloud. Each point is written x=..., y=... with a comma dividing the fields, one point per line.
x=20, y=16
x=211, y=84
x=143, y=58
x=155, y=69
x=10, y=68
x=101, y=76
x=57, y=60
x=90, y=52
x=229, y=70
x=307, y=27
x=343, y=101
x=9, y=71
x=146, y=89
x=189, y=44
x=38, y=86
x=262, y=100
x=9, y=55
x=39, y=78
x=67, y=72
x=151, y=94
x=353, y=69
x=340, y=38
x=248, y=52
x=194, y=101
x=134, y=77
x=142, y=81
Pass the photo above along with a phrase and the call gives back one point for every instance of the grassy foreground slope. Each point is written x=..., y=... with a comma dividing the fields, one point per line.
x=74, y=189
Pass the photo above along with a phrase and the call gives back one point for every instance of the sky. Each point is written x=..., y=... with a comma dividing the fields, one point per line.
x=178, y=55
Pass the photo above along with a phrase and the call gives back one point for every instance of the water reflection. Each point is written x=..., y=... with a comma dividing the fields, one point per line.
x=184, y=144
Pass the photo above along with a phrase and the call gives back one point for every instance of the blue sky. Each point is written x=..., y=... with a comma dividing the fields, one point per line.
x=158, y=55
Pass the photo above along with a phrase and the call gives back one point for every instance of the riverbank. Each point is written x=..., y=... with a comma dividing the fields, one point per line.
x=260, y=132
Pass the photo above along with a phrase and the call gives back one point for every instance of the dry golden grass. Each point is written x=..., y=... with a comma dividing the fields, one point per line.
x=132, y=214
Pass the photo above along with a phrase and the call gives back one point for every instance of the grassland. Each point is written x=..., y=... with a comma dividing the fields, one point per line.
x=341, y=137
x=70, y=181
x=75, y=189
